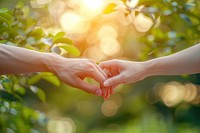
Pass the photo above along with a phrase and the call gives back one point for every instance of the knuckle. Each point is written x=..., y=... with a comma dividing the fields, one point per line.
x=90, y=60
x=86, y=65
x=90, y=65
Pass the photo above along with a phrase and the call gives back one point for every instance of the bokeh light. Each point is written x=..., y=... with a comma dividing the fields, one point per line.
x=107, y=32
x=96, y=54
x=56, y=8
x=191, y=92
x=39, y=3
x=61, y=125
x=72, y=22
x=174, y=93
x=94, y=4
x=44, y=1
x=110, y=47
x=88, y=8
x=109, y=108
x=109, y=44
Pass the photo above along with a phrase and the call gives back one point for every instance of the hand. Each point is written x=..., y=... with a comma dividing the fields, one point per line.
x=123, y=72
x=73, y=71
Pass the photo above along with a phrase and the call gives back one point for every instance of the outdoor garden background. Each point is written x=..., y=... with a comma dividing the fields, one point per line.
x=136, y=30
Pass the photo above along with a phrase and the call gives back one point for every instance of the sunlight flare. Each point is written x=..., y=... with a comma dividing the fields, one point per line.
x=74, y=23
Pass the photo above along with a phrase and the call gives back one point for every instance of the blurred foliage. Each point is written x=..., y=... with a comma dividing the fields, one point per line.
x=18, y=28
x=136, y=108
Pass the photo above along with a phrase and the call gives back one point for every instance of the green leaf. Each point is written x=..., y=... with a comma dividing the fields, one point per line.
x=39, y=92
x=71, y=50
x=53, y=80
x=110, y=8
x=37, y=33
x=64, y=40
x=7, y=16
x=59, y=35
x=3, y=10
x=41, y=95
x=18, y=88
x=46, y=76
x=34, y=79
x=5, y=20
x=7, y=85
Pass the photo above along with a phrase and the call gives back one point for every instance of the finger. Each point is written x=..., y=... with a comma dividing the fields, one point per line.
x=107, y=72
x=113, y=71
x=96, y=75
x=108, y=93
x=107, y=64
x=118, y=79
x=103, y=90
x=101, y=71
x=88, y=87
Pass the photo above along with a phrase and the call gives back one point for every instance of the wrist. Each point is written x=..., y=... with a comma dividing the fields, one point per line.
x=54, y=63
x=153, y=67
x=139, y=71
x=48, y=61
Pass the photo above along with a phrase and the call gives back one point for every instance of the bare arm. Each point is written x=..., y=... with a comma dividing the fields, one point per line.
x=15, y=60
x=184, y=62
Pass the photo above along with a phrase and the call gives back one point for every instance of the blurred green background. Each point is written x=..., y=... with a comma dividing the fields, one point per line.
x=145, y=29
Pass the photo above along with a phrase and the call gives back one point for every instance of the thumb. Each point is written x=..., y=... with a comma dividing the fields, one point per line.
x=113, y=81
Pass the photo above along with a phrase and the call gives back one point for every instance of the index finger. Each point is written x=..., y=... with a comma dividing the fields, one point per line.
x=101, y=71
x=107, y=64
x=97, y=74
x=89, y=88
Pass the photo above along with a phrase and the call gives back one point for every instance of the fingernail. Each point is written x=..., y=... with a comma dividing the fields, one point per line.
x=106, y=84
x=98, y=92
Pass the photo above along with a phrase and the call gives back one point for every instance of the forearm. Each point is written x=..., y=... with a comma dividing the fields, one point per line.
x=183, y=62
x=14, y=60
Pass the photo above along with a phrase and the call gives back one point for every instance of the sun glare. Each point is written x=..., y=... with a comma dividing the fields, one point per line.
x=91, y=8
x=110, y=47
x=74, y=23
x=93, y=4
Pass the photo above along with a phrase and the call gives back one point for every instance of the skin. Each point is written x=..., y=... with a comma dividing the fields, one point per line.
x=15, y=60
x=124, y=72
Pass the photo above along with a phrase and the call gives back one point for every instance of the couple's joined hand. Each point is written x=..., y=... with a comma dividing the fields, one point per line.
x=109, y=73
x=73, y=71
